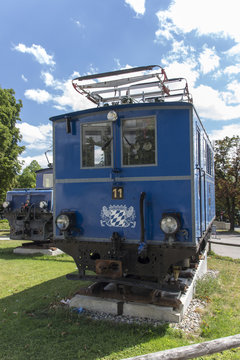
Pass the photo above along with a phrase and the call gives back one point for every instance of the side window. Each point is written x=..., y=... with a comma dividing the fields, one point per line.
x=47, y=180
x=205, y=154
x=96, y=145
x=198, y=148
x=209, y=161
x=139, y=141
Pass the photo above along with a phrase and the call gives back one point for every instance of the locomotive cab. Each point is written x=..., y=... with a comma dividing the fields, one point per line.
x=131, y=201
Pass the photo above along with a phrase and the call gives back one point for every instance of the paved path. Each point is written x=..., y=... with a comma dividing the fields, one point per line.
x=231, y=251
x=2, y=237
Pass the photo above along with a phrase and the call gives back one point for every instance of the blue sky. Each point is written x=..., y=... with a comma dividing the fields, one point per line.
x=45, y=44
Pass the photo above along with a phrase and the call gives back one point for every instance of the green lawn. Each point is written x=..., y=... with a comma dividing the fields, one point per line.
x=4, y=224
x=34, y=324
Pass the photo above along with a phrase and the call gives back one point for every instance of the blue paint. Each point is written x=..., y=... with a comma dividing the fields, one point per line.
x=173, y=184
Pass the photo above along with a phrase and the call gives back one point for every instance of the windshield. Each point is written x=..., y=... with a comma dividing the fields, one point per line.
x=138, y=141
x=96, y=145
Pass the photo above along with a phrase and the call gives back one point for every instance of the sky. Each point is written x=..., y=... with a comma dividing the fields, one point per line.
x=44, y=44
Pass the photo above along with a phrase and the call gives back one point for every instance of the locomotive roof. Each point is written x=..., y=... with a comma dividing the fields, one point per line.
x=45, y=170
x=76, y=114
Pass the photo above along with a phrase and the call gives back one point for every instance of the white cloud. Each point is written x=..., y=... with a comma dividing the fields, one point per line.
x=180, y=53
x=38, y=52
x=78, y=23
x=41, y=159
x=137, y=5
x=208, y=60
x=205, y=17
x=166, y=26
x=228, y=130
x=211, y=104
x=50, y=81
x=232, y=69
x=117, y=62
x=63, y=96
x=24, y=78
x=179, y=48
x=234, y=51
x=38, y=95
x=36, y=137
x=234, y=95
x=70, y=98
x=47, y=78
x=184, y=61
x=185, y=70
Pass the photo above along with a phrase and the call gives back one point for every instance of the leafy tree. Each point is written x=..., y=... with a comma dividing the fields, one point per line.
x=28, y=177
x=227, y=173
x=9, y=139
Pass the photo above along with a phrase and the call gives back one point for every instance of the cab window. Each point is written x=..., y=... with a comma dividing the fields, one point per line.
x=96, y=145
x=139, y=141
x=47, y=180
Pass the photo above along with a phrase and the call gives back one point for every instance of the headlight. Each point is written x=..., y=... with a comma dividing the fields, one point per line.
x=43, y=204
x=170, y=224
x=63, y=222
x=112, y=115
x=6, y=204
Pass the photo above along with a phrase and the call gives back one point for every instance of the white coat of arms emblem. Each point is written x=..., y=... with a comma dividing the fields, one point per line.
x=118, y=216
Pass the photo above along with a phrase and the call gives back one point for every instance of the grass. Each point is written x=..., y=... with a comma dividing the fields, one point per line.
x=222, y=317
x=34, y=324
x=4, y=224
x=207, y=287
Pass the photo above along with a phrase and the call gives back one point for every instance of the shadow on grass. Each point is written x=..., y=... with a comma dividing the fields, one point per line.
x=35, y=325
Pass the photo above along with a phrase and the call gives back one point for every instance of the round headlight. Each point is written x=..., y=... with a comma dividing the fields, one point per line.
x=112, y=115
x=6, y=204
x=62, y=222
x=43, y=204
x=169, y=224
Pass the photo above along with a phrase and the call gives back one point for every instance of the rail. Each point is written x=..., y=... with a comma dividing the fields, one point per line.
x=193, y=351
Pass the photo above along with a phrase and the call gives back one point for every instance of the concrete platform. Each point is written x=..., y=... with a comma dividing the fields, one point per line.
x=161, y=313
x=187, y=298
x=33, y=251
x=109, y=306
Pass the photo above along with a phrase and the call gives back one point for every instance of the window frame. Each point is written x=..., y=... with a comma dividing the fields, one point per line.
x=155, y=138
x=209, y=160
x=47, y=175
x=81, y=144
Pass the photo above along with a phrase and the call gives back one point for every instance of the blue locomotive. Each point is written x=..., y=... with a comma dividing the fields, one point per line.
x=134, y=179
x=29, y=211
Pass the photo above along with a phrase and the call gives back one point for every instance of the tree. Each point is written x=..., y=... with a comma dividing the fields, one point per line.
x=9, y=139
x=28, y=177
x=227, y=177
